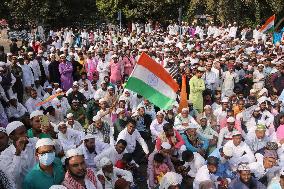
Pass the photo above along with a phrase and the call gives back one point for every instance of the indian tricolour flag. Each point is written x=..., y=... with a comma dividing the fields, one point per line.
x=268, y=25
x=153, y=82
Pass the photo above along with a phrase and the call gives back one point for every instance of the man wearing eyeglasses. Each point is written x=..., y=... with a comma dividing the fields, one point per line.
x=48, y=171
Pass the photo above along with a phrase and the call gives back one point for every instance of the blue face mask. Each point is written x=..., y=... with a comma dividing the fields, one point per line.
x=47, y=158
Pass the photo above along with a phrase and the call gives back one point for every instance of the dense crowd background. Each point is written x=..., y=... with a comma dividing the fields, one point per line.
x=66, y=118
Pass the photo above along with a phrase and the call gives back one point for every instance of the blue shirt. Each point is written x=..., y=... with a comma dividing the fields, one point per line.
x=38, y=179
x=224, y=169
x=204, y=143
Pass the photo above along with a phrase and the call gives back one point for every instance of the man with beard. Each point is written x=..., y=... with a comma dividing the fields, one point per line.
x=245, y=180
x=121, y=121
x=91, y=147
x=78, y=176
x=258, y=139
x=18, y=158
x=108, y=174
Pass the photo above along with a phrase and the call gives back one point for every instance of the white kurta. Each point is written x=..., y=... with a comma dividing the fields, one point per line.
x=89, y=157
x=71, y=139
x=110, y=153
x=117, y=173
x=16, y=167
x=131, y=140
x=16, y=112
x=31, y=104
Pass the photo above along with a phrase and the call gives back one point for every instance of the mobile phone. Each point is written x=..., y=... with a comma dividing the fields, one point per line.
x=44, y=121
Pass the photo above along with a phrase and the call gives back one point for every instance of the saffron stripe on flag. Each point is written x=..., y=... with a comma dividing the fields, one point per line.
x=157, y=70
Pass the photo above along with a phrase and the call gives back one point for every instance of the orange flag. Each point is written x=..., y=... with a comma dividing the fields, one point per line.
x=183, y=95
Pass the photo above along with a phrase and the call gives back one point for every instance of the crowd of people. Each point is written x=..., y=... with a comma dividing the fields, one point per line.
x=67, y=120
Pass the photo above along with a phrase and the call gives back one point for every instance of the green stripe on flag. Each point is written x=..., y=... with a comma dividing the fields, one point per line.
x=270, y=30
x=149, y=93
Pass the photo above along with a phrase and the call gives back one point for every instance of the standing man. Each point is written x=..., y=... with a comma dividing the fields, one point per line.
x=197, y=86
x=65, y=70
x=53, y=69
x=18, y=74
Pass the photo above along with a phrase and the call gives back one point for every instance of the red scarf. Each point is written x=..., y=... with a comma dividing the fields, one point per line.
x=71, y=183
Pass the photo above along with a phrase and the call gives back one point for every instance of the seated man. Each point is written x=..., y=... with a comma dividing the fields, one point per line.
x=78, y=112
x=207, y=172
x=244, y=179
x=48, y=171
x=194, y=141
x=165, y=151
x=207, y=132
x=77, y=172
x=258, y=139
x=32, y=101
x=68, y=138
x=225, y=134
x=264, y=170
x=108, y=174
x=193, y=161
x=16, y=110
x=91, y=147
x=224, y=154
x=182, y=120
x=101, y=130
x=156, y=126
x=131, y=136
x=241, y=151
x=171, y=136
x=72, y=123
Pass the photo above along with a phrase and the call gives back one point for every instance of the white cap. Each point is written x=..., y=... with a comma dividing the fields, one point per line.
x=182, y=65
x=102, y=100
x=75, y=100
x=58, y=90
x=184, y=110
x=110, y=87
x=160, y=113
x=243, y=167
x=166, y=145
x=201, y=69
x=48, y=87
x=207, y=107
x=170, y=178
x=89, y=136
x=57, y=187
x=30, y=53
x=105, y=161
x=114, y=56
x=228, y=151
x=225, y=100
x=119, y=110
x=75, y=83
x=231, y=119
x=252, y=91
x=69, y=115
x=44, y=142
x=96, y=118
x=62, y=55
x=282, y=171
x=236, y=132
x=13, y=126
x=192, y=126
x=36, y=113
x=74, y=152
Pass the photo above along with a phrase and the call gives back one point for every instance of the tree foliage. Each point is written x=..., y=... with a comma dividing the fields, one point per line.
x=66, y=12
